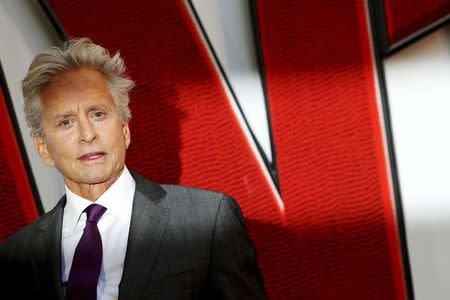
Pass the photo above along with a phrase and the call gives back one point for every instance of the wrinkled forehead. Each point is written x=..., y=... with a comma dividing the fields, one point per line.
x=80, y=88
x=76, y=81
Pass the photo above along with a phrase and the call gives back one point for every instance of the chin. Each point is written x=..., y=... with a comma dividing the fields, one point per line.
x=93, y=177
x=97, y=179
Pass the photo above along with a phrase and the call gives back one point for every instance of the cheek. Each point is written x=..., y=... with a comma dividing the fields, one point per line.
x=120, y=139
x=60, y=150
x=119, y=150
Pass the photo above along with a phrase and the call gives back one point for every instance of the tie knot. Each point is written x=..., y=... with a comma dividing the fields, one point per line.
x=94, y=212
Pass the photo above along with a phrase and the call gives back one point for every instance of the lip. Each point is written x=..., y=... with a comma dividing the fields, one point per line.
x=91, y=156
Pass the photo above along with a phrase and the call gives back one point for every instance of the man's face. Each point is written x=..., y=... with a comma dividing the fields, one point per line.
x=84, y=136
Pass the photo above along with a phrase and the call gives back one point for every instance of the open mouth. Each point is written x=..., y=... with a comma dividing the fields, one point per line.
x=92, y=156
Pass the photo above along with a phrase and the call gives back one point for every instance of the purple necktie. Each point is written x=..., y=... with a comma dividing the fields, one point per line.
x=87, y=260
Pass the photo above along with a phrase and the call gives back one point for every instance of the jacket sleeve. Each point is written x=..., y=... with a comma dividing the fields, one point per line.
x=234, y=270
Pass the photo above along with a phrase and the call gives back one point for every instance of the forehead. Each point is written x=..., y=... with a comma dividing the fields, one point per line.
x=74, y=88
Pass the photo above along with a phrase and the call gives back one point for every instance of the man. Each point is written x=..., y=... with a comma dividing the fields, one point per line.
x=116, y=235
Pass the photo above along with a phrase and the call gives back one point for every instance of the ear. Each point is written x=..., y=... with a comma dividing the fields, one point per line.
x=41, y=147
x=126, y=133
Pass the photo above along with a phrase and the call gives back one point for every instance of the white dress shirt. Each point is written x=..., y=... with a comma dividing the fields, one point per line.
x=114, y=227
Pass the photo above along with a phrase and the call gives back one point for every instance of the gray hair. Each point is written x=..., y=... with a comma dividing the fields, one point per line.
x=74, y=54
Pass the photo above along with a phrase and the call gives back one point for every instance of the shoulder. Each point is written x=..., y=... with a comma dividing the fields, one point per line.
x=185, y=198
x=203, y=204
x=26, y=235
x=205, y=198
x=179, y=194
x=191, y=193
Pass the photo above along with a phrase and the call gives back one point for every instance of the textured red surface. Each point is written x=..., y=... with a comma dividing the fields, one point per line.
x=183, y=128
x=17, y=206
x=341, y=240
x=406, y=17
x=338, y=240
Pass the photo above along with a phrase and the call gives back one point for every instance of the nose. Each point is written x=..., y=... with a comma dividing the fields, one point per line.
x=86, y=130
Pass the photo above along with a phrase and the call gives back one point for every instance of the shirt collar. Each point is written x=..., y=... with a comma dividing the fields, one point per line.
x=117, y=199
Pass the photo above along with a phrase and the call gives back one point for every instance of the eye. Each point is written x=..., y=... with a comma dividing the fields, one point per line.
x=98, y=114
x=65, y=123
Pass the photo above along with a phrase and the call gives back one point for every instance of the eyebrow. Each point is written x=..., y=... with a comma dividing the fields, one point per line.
x=63, y=115
x=70, y=112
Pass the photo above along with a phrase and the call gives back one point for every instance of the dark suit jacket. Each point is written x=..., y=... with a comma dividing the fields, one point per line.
x=184, y=243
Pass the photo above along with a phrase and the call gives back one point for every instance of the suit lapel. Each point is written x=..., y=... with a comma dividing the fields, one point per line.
x=148, y=224
x=52, y=227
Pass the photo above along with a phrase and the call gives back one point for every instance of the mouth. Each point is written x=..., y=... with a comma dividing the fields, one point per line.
x=92, y=156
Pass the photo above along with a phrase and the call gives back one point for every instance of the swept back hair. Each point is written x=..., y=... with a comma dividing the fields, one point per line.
x=72, y=55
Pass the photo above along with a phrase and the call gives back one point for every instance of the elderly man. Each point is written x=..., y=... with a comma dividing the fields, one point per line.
x=116, y=235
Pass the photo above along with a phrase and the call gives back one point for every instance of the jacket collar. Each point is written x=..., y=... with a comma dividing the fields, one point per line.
x=51, y=227
x=148, y=224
